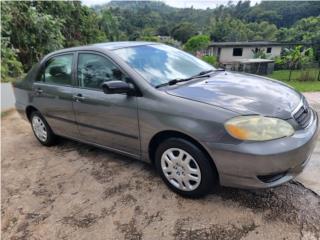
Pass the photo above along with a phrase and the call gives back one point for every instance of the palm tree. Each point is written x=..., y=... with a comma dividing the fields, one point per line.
x=296, y=56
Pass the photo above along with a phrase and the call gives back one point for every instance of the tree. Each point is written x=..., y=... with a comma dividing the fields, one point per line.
x=261, y=31
x=163, y=31
x=197, y=43
x=10, y=65
x=297, y=56
x=282, y=13
x=109, y=25
x=31, y=29
x=183, y=32
x=306, y=30
x=88, y=30
x=228, y=29
x=232, y=29
x=33, y=34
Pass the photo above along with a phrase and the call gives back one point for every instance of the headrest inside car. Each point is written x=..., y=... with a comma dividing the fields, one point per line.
x=57, y=70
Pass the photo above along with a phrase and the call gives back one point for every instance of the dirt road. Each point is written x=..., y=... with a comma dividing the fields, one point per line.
x=74, y=191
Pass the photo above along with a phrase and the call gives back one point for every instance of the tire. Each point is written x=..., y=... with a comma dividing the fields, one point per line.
x=182, y=174
x=42, y=130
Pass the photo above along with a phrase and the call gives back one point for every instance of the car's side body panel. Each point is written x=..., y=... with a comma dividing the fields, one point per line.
x=163, y=112
x=127, y=124
x=55, y=103
x=109, y=120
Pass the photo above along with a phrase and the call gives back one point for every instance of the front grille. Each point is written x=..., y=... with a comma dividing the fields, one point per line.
x=303, y=115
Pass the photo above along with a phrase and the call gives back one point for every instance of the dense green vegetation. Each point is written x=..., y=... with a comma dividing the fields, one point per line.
x=32, y=29
x=265, y=21
x=196, y=43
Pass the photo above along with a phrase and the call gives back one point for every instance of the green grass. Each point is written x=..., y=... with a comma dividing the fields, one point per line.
x=297, y=78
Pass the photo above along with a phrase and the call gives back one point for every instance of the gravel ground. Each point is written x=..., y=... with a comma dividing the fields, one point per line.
x=310, y=177
x=75, y=191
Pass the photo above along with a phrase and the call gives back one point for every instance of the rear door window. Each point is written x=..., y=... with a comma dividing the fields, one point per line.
x=58, y=70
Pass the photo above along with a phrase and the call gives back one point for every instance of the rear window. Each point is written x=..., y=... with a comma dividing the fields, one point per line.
x=57, y=70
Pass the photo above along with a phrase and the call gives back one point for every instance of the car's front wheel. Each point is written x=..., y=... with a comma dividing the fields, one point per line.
x=42, y=130
x=185, y=168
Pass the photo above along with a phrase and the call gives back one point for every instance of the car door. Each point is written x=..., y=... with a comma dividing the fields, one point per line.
x=110, y=120
x=53, y=94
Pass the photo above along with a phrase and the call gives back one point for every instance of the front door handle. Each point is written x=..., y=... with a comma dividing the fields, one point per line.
x=78, y=97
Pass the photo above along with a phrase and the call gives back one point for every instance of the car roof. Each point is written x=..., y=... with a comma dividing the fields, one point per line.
x=124, y=44
x=104, y=46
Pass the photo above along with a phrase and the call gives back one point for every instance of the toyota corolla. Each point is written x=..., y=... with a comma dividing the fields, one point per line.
x=198, y=125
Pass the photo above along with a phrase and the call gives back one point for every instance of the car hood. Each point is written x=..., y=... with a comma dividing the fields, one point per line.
x=242, y=93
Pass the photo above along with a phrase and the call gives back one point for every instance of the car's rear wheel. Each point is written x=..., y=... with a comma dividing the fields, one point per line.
x=185, y=168
x=42, y=130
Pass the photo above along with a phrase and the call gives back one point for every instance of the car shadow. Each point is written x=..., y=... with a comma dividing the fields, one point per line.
x=290, y=202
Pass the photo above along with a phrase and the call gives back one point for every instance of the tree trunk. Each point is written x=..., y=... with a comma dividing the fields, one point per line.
x=290, y=74
x=319, y=71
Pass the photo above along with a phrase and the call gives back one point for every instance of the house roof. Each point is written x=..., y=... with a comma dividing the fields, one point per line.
x=249, y=44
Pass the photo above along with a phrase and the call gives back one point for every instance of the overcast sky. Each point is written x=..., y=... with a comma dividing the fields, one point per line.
x=179, y=3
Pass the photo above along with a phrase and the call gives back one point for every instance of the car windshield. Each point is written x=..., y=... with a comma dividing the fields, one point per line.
x=159, y=63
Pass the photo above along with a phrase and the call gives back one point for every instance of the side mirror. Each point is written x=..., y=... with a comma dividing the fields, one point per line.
x=114, y=87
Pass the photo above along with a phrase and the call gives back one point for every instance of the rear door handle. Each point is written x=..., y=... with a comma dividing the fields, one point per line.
x=79, y=97
x=38, y=91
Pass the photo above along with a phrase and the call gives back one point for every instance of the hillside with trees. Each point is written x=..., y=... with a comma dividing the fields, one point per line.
x=32, y=29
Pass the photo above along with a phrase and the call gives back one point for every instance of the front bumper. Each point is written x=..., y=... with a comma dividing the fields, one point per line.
x=240, y=165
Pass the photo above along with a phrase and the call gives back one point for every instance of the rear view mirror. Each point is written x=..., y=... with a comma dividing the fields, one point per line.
x=114, y=87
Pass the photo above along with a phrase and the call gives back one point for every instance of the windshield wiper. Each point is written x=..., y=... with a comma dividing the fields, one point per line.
x=210, y=71
x=177, y=80
x=199, y=75
x=206, y=72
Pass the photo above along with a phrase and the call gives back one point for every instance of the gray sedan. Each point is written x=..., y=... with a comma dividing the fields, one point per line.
x=198, y=125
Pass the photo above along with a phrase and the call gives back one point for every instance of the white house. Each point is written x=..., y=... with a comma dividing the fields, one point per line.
x=239, y=55
x=234, y=51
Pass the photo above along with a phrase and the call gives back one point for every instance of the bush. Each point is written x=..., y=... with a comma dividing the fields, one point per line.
x=11, y=67
x=196, y=43
x=211, y=60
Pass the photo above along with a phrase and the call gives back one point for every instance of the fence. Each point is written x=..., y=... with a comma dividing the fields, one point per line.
x=7, y=97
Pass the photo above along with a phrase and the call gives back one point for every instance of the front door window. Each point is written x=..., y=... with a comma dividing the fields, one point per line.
x=94, y=69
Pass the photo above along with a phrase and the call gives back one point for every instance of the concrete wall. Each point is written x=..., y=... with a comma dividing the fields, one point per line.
x=226, y=54
x=7, y=97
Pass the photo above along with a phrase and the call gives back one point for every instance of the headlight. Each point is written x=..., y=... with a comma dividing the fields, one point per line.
x=258, y=128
